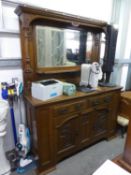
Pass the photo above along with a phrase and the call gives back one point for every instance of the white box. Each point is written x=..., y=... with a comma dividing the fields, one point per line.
x=46, y=89
x=110, y=168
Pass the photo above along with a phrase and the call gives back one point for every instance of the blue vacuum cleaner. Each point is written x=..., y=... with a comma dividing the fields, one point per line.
x=8, y=93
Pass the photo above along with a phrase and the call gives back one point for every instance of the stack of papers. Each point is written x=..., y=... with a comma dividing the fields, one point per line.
x=110, y=168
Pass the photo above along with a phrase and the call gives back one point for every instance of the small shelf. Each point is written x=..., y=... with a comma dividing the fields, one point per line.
x=11, y=32
x=8, y=63
x=122, y=61
x=55, y=70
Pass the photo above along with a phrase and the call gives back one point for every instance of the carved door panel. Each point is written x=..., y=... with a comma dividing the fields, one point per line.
x=85, y=128
x=66, y=135
x=100, y=122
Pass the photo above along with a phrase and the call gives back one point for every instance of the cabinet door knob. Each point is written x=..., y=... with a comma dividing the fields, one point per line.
x=78, y=106
x=107, y=99
x=77, y=133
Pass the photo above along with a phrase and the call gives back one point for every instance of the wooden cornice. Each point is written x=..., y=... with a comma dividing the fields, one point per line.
x=55, y=15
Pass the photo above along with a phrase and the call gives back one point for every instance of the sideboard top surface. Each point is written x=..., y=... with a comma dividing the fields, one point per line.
x=100, y=90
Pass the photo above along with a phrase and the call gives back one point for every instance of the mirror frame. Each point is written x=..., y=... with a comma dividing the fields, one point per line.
x=49, y=60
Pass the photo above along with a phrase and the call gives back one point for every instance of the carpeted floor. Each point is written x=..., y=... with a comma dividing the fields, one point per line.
x=88, y=160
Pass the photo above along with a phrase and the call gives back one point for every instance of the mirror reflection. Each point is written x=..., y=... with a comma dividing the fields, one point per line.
x=102, y=45
x=89, y=45
x=57, y=47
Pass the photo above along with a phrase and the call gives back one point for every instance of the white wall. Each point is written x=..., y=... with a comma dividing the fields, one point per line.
x=122, y=68
x=98, y=9
x=9, y=49
x=10, y=43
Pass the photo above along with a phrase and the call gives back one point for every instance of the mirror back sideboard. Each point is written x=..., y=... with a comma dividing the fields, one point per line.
x=29, y=18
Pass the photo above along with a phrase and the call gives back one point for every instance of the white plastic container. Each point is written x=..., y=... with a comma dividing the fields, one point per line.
x=4, y=163
x=46, y=89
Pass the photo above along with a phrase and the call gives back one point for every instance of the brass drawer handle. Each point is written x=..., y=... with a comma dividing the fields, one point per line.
x=63, y=111
x=94, y=103
x=102, y=110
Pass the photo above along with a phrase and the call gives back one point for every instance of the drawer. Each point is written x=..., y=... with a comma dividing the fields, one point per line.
x=100, y=100
x=65, y=120
x=66, y=108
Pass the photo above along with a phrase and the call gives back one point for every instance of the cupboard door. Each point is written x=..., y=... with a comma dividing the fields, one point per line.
x=100, y=122
x=85, y=128
x=66, y=135
x=45, y=138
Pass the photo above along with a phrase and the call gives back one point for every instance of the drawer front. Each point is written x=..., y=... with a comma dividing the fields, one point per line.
x=100, y=100
x=66, y=108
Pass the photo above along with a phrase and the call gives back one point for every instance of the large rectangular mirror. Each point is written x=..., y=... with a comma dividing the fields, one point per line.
x=57, y=47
